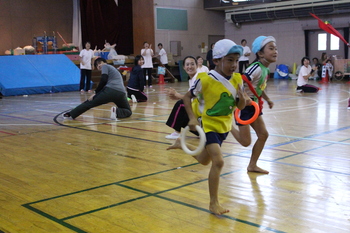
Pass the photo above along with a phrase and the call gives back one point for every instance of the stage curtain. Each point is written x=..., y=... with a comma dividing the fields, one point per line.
x=104, y=20
x=76, y=34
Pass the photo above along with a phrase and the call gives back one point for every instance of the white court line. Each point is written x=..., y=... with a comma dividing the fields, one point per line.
x=105, y=110
x=40, y=110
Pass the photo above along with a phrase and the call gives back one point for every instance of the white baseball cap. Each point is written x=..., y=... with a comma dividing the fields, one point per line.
x=225, y=47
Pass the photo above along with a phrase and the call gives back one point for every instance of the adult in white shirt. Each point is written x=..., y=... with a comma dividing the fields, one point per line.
x=201, y=68
x=147, y=67
x=243, y=60
x=163, y=57
x=306, y=71
x=86, y=55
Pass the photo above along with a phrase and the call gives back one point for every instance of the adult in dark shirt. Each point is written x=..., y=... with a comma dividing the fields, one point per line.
x=210, y=57
x=110, y=89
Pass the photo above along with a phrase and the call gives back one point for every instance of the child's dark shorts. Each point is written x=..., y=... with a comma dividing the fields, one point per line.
x=247, y=113
x=213, y=137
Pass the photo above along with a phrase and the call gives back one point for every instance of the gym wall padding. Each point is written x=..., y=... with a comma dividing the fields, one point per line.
x=37, y=74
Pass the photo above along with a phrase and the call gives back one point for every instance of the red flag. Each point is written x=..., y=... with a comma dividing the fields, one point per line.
x=329, y=28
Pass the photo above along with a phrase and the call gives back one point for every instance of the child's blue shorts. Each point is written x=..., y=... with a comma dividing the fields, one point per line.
x=213, y=137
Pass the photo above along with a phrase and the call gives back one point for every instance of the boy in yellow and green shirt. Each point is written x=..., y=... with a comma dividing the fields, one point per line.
x=217, y=95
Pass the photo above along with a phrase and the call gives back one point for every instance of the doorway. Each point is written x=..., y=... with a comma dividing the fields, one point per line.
x=213, y=39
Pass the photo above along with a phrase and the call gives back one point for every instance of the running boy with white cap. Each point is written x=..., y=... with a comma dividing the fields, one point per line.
x=257, y=74
x=218, y=92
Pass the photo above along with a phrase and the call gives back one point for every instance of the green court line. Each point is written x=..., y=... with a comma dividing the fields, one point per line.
x=106, y=207
x=113, y=183
x=224, y=216
x=128, y=187
x=67, y=225
x=174, y=201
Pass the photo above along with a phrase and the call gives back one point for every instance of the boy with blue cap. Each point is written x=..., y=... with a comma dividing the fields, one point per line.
x=257, y=74
x=218, y=93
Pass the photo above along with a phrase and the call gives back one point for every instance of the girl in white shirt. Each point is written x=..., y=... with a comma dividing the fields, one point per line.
x=306, y=71
x=147, y=67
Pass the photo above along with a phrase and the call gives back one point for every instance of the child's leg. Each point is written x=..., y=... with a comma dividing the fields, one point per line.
x=211, y=153
x=242, y=135
x=261, y=132
x=214, y=151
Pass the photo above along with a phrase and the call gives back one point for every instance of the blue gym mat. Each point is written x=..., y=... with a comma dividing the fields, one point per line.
x=37, y=74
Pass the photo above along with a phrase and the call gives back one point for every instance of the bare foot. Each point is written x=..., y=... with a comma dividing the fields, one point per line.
x=176, y=145
x=257, y=169
x=218, y=209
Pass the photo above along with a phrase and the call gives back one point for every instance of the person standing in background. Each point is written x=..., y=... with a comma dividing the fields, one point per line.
x=244, y=59
x=147, y=67
x=210, y=57
x=86, y=55
x=163, y=57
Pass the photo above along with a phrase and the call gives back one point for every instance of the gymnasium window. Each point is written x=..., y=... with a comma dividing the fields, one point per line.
x=334, y=42
x=322, y=42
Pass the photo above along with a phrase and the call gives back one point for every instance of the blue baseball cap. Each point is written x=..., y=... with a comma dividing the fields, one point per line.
x=260, y=42
x=225, y=47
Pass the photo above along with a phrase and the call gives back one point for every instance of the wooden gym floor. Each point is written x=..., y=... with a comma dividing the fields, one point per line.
x=97, y=175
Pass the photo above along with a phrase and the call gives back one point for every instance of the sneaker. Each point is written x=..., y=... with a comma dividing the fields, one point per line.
x=174, y=135
x=113, y=113
x=349, y=108
x=89, y=91
x=150, y=86
x=134, y=100
x=299, y=90
x=67, y=116
x=82, y=91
